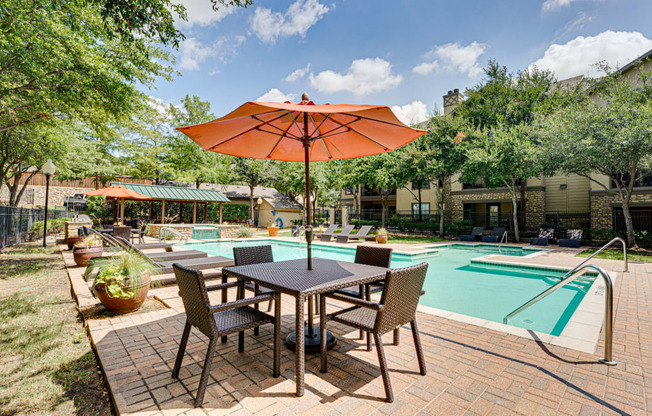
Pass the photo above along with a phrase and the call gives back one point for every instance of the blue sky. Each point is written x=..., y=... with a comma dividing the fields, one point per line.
x=401, y=53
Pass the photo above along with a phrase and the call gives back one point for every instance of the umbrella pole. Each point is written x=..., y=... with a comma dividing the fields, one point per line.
x=122, y=211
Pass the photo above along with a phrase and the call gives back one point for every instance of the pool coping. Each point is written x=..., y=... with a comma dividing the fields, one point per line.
x=581, y=332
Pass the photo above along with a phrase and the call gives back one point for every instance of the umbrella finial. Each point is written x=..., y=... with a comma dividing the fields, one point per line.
x=305, y=97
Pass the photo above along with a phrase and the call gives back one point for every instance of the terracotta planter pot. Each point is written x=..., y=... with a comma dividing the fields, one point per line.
x=273, y=231
x=118, y=305
x=83, y=254
x=72, y=241
x=381, y=239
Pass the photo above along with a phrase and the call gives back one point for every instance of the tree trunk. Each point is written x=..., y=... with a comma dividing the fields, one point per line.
x=197, y=183
x=517, y=237
x=629, y=225
x=251, y=203
x=16, y=191
x=384, y=213
x=419, y=191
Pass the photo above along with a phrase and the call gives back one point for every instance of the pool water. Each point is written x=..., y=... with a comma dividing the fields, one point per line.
x=454, y=283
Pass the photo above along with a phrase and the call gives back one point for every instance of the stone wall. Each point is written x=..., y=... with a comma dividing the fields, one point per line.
x=602, y=204
x=56, y=197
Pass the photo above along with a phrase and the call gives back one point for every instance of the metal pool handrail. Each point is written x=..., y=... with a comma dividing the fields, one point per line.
x=609, y=299
x=503, y=238
x=162, y=234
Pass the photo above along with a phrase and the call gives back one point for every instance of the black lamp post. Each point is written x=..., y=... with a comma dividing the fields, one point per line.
x=48, y=170
x=259, y=201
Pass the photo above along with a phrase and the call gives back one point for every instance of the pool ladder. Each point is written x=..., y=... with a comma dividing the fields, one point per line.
x=163, y=233
x=575, y=273
x=502, y=239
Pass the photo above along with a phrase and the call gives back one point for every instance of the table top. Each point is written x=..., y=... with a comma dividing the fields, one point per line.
x=294, y=278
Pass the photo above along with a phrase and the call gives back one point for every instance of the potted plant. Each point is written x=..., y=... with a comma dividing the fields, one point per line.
x=86, y=249
x=381, y=236
x=73, y=240
x=321, y=229
x=272, y=230
x=123, y=281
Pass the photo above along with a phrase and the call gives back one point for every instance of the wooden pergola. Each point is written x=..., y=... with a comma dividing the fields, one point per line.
x=173, y=194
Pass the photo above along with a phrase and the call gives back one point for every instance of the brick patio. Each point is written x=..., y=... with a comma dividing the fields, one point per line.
x=471, y=370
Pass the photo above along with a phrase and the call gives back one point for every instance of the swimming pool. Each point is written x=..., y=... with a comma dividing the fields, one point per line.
x=456, y=284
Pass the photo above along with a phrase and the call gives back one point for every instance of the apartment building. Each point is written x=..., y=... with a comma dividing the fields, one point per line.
x=568, y=201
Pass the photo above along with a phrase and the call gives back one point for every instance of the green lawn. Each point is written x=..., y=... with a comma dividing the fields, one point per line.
x=632, y=255
x=412, y=239
x=47, y=365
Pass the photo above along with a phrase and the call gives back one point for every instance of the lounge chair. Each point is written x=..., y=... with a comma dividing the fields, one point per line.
x=215, y=321
x=545, y=234
x=496, y=234
x=572, y=240
x=398, y=306
x=362, y=233
x=475, y=233
x=330, y=230
x=84, y=231
x=346, y=231
x=374, y=256
x=165, y=256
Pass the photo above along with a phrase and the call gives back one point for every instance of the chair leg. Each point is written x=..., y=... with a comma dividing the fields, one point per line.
x=277, y=335
x=257, y=306
x=322, y=333
x=367, y=296
x=269, y=305
x=203, y=381
x=397, y=335
x=417, y=346
x=361, y=294
x=182, y=350
x=241, y=341
x=389, y=396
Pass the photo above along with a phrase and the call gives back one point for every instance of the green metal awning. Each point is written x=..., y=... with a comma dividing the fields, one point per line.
x=177, y=193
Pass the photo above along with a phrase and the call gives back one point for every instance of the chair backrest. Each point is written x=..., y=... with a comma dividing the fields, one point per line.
x=192, y=290
x=347, y=230
x=108, y=226
x=122, y=231
x=477, y=231
x=574, y=234
x=400, y=298
x=546, y=232
x=331, y=229
x=373, y=256
x=364, y=230
x=498, y=231
x=252, y=255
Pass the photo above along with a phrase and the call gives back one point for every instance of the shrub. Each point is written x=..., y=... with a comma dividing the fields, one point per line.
x=244, y=232
x=458, y=227
x=235, y=212
x=55, y=226
x=359, y=223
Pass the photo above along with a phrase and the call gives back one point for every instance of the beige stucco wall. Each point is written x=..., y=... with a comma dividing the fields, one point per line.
x=405, y=197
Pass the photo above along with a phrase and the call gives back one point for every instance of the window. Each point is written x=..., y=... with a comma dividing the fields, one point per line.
x=425, y=210
x=646, y=180
x=641, y=218
x=477, y=184
x=424, y=185
x=348, y=191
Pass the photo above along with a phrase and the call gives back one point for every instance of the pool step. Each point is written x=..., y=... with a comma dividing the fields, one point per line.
x=554, y=274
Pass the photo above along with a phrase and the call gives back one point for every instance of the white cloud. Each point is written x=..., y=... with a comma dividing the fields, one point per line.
x=200, y=12
x=552, y=5
x=193, y=53
x=412, y=113
x=276, y=96
x=297, y=74
x=364, y=77
x=578, y=56
x=298, y=18
x=453, y=57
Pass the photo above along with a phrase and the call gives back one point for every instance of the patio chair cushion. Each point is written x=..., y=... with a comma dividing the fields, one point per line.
x=538, y=241
x=567, y=242
x=468, y=237
x=489, y=239
x=574, y=234
x=546, y=233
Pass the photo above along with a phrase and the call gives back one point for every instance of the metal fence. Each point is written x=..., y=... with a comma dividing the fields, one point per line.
x=15, y=223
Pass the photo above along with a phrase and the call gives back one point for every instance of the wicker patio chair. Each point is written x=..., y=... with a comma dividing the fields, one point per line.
x=476, y=234
x=217, y=320
x=398, y=306
x=373, y=256
x=254, y=255
x=122, y=231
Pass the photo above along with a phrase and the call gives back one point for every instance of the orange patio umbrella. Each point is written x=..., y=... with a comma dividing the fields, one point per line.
x=303, y=132
x=118, y=191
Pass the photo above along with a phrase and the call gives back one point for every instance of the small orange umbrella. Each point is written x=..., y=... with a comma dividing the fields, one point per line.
x=118, y=191
x=303, y=132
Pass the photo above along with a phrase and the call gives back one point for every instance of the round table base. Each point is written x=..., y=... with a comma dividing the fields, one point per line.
x=312, y=343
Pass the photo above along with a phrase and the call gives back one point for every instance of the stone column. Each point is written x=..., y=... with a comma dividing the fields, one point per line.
x=345, y=216
x=331, y=215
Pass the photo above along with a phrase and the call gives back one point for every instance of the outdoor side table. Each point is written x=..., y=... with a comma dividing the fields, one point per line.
x=293, y=278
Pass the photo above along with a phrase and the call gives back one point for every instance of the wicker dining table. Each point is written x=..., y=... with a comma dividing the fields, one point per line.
x=293, y=278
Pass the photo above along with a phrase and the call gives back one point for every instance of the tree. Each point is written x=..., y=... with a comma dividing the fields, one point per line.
x=446, y=148
x=253, y=172
x=193, y=163
x=417, y=164
x=383, y=173
x=324, y=188
x=503, y=157
x=608, y=133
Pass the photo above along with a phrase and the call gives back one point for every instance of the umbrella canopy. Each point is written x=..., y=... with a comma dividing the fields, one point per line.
x=303, y=132
x=120, y=192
